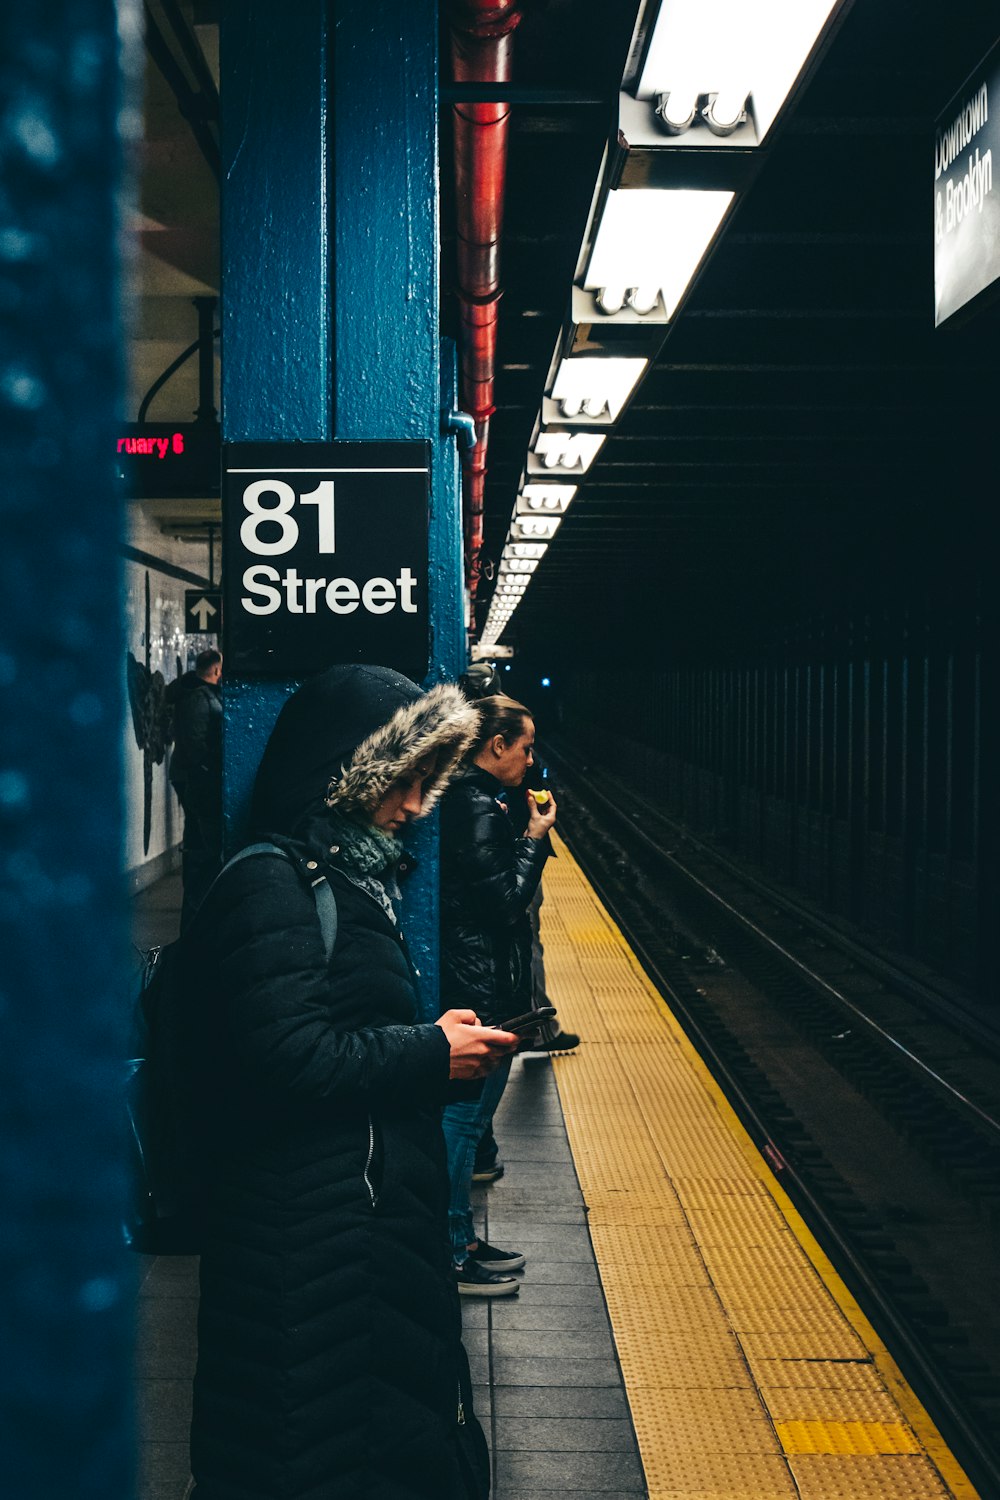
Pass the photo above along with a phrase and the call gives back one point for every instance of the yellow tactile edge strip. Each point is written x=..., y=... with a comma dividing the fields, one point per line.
x=766, y=1378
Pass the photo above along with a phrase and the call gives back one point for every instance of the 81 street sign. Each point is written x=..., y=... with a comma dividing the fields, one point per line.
x=325, y=556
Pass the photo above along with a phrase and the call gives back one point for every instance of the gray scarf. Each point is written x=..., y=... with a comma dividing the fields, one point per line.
x=368, y=857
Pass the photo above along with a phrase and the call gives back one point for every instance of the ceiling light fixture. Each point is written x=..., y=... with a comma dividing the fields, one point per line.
x=725, y=112
x=755, y=48
x=593, y=387
x=676, y=110
x=524, y=549
x=653, y=240
x=525, y=528
x=611, y=299
x=551, y=499
x=565, y=450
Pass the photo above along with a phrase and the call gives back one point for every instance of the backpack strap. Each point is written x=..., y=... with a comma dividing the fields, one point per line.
x=326, y=910
x=326, y=901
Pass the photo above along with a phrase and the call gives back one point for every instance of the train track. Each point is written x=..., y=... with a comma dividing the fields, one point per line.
x=875, y=1100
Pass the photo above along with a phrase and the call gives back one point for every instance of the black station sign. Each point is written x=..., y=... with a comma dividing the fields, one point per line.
x=966, y=201
x=325, y=556
x=167, y=460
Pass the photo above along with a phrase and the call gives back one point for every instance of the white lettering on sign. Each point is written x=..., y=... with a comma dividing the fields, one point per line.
x=963, y=194
x=274, y=501
x=967, y=189
x=341, y=596
x=321, y=497
x=968, y=122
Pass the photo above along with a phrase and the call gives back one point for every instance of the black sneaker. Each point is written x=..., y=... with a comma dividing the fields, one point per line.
x=566, y=1041
x=473, y=1281
x=488, y=1174
x=492, y=1259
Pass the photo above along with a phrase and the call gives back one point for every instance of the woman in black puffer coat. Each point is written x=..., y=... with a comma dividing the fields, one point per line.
x=330, y=1362
x=489, y=874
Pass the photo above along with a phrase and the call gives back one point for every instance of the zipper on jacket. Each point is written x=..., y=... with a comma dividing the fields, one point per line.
x=371, y=1157
x=461, y=1407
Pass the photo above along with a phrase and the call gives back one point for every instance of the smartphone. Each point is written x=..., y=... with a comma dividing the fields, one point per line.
x=530, y=1021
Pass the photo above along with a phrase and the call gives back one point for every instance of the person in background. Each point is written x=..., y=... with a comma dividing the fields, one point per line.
x=482, y=680
x=550, y=1038
x=489, y=875
x=330, y=1364
x=196, y=775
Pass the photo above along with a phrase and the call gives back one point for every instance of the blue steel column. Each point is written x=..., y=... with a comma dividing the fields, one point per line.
x=65, y=1310
x=387, y=366
x=276, y=312
x=337, y=132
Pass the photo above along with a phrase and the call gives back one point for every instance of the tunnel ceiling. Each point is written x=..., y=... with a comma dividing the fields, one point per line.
x=806, y=442
x=806, y=445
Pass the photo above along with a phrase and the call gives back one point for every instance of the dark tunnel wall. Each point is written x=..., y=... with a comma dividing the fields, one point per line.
x=855, y=762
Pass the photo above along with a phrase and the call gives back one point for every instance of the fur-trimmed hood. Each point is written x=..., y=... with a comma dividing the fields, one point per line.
x=345, y=736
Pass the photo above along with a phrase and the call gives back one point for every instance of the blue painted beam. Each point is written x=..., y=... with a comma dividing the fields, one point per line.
x=65, y=1305
x=387, y=357
x=331, y=296
x=276, y=305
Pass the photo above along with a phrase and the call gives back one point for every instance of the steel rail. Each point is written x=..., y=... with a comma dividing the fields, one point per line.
x=814, y=979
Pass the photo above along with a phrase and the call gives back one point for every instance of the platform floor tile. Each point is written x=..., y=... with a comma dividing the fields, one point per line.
x=748, y=1369
x=873, y=1478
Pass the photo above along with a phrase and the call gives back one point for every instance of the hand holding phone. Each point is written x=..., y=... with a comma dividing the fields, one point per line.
x=531, y=1020
x=474, y=1050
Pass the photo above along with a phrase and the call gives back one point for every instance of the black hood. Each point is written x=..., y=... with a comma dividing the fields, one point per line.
x=345, y=736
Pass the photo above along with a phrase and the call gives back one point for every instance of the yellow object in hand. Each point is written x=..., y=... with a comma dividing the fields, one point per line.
x=540, y=797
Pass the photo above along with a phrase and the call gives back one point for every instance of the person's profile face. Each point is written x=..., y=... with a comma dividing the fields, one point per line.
x=404, y=798
x=513, y=758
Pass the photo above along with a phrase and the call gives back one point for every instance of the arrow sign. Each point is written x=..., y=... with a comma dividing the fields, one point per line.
x=202, y=611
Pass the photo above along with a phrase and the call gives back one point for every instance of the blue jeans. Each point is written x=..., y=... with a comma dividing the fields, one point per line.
x=463, y=1124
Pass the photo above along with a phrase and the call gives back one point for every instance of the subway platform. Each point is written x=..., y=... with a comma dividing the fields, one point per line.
x=678, y=1333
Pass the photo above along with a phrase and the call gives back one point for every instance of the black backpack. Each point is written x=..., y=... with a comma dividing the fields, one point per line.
x=164, y=1217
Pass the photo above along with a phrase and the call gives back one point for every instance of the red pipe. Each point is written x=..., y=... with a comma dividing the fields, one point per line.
x=482, y=45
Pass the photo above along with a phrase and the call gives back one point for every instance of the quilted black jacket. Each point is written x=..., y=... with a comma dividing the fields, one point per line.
x=326, y=1304
x=488, y=877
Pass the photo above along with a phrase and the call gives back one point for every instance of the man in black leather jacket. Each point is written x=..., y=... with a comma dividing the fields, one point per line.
x=489, y=875
x=196, y=774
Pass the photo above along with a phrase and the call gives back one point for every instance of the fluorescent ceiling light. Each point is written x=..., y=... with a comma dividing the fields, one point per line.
x=524, y=549
x=551, y=499
x=676, y=110
x=527, y=528
x=652, y=240
x=594, y=386
x=742, y=47
x=568, y=450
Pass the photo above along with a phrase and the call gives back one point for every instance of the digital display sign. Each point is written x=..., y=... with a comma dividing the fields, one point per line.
x=167, y=460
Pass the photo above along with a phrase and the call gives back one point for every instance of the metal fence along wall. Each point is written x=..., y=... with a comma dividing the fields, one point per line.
x=857, y=765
